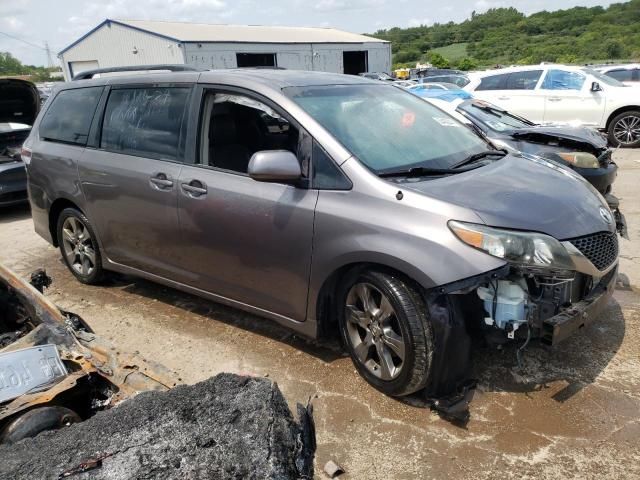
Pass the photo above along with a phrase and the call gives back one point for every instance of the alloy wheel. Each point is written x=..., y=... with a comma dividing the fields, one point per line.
x=627, y=129
x=374, y=331
x=78, y=246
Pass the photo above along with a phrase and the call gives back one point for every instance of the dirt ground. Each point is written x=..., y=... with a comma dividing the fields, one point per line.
x=573, y=412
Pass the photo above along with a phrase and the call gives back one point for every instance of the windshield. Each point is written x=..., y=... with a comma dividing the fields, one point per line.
x=493, y=117
x=604, y=78
x=388, y=128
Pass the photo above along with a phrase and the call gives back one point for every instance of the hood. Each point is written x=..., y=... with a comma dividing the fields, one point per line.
x=565, y=132
x=19, y=101
x=521, y=193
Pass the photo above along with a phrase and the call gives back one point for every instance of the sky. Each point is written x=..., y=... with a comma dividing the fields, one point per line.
x=26, y=25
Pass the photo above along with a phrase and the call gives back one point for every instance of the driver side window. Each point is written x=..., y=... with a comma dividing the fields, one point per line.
x=235, y=126
x=562, y=80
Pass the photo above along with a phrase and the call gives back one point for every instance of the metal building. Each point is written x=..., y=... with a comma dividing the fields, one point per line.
x=136, y=42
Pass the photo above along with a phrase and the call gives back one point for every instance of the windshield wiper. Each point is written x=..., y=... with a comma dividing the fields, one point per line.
x=478, y=156
x=422, y=172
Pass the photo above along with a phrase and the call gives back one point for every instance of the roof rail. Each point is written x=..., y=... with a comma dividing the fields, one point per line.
x=88, y=74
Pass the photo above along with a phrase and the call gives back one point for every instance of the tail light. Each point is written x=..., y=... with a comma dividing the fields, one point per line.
x=25, y=154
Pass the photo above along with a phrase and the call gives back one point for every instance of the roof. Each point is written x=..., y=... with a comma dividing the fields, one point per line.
x=206, y=33
x=246, y=77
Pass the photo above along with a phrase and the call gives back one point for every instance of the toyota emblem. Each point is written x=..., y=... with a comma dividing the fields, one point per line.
x=606, y=216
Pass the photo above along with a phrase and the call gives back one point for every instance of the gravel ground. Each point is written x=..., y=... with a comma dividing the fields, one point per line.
x=572, y=412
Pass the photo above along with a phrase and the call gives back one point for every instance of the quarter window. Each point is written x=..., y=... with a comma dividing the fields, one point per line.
x=326, y=174
x=563, y=80
x=526, y=80
x=145, y=122
x=494, y=82
x=68, y=119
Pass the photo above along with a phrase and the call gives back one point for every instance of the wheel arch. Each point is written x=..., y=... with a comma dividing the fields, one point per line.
x=54, y=213
x=620, y=110
x=323, y=308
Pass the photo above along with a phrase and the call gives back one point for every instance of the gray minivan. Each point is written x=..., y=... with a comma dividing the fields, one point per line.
x=331, y=204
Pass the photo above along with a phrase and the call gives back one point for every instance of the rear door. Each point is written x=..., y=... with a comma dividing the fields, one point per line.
x=245, y=240
x=515, y=92
x=129, y=175
x=569, y=99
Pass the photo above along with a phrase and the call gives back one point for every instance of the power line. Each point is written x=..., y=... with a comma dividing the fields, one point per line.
x=23, y=41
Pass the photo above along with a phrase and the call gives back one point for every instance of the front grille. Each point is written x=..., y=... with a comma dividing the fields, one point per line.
x=600, y=248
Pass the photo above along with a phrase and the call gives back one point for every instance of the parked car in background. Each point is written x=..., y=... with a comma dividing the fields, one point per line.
x=432, y=72
x=456, y=79
x=405, y=83
x=444, y=91
x=629, y=74
x=582, y=149
x=563, y=94
x=369, y=214
x=378, y=76
x=19, y=105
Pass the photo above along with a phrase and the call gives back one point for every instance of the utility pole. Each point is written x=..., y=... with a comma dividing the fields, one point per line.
x=48, y=50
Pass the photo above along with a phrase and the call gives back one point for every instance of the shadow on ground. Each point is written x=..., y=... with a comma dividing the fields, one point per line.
x=14, y=212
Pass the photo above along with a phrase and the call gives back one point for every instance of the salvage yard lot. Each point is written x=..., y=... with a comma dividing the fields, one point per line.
x=571, y=412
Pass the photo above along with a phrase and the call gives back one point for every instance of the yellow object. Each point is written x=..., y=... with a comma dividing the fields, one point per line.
x=402, y=73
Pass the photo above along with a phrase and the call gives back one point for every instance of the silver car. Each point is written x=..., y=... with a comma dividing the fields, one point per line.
x=331, y=204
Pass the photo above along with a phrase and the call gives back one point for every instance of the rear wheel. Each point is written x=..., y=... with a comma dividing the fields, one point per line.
x=384, y=325
x=79, y=246
x=624, y=130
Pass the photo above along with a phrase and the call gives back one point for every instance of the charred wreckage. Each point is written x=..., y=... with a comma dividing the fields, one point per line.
x=54, y=370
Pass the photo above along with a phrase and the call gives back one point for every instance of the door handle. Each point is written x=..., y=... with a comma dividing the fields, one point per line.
x=161, y=181
x=504, y=98
x=194, y=188
x=554, y=99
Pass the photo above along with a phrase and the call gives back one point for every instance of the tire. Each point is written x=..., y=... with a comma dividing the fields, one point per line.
x=37, y=420
x=624, y=130
x=372, y=336
x=79, y=246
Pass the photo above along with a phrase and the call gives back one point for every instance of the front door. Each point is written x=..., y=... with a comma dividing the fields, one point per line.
x=245, y=240
x=569, y=99
x=130, y=180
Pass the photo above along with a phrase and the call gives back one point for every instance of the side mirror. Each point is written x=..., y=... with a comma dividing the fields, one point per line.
x=595, y=87
x=274, y=166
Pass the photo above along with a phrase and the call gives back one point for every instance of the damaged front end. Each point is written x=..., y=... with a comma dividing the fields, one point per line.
x=547, y=290
x=53, y=369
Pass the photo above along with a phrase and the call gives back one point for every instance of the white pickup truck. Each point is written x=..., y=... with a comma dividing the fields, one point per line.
x=564, y=94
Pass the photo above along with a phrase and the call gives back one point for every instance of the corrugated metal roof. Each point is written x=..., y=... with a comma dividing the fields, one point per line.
x=202, y=32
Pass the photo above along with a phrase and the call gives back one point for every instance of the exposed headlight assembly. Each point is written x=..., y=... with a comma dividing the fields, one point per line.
x=580, y=159
x=534, y=251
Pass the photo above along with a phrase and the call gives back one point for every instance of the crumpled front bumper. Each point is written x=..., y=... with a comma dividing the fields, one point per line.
x=580, y=314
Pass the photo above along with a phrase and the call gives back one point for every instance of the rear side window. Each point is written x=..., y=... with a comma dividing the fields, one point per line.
x=494, y=82
x=68, y=119
x=526, y=80
x=145, y=122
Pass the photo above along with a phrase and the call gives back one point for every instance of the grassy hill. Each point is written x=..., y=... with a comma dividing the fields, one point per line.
x=453, y=52
x=507, y=36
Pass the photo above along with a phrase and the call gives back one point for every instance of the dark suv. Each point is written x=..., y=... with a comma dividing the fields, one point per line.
x=328, y=203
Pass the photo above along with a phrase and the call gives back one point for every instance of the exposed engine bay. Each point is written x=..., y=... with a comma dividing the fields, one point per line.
x=53, y=369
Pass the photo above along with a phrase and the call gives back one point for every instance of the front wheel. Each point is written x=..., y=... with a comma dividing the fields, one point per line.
x=385, y=327
x=624, y=130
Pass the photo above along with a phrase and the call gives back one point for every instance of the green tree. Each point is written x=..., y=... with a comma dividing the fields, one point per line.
x=467, y=64
x=438, y=60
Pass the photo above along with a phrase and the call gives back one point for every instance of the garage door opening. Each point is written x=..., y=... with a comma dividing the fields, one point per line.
x=82, y=66
x=354, y=62
x=256, y=60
